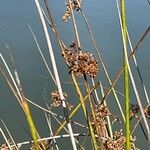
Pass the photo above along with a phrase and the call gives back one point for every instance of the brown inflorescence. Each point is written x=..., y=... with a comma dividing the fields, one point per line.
x=118, y=141
x=108, y=143
x=75, y=5
x=56, y=100
x=80, y=62
x=5, y=146
x=147, y=111
x=134, y=109
x=55, y=97
x=118, y=144
x=99, y=124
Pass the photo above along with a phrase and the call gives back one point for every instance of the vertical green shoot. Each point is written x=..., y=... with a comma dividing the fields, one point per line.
x=31, y=124
x=126, y=74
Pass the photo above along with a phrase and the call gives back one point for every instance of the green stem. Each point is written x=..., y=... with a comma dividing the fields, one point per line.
x=31, y=124
x=93, y=139
x=126, y=74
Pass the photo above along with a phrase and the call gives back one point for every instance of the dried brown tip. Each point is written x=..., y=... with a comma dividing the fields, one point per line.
x=75, y=5
x=147, y=111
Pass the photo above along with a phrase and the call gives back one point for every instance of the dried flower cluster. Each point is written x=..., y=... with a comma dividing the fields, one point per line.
x=55, y=97
x=56, y=100
x=134, y=109
x=147, y=111
x=5, y=146
x=118, y=134
x=101, y=112
x=118, y=140
x=75, y=5
x=81, y=62
x=115, y=144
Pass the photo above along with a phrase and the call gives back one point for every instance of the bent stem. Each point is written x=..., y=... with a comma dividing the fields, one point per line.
x=56, y=73
x=21, y=99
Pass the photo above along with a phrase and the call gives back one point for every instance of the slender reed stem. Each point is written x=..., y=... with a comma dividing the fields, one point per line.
x=126, y=74
x=92, y=111
x=22, y=101
x=138, y=70
x=133, y=81
x=102, y=63
x=56, y=73
x=85, y=113
x=10, y=136
x=75, y=27
x=5, y=138
x=108, y=118
x=118, y=74
x=44, y=60
x=76, y=108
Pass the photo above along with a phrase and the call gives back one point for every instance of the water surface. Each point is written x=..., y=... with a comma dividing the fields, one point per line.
x=16, y=15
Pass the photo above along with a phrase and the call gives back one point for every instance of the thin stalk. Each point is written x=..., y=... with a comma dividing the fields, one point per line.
x=54, y=114
x=44, y=60
x=94, y=143
x=22, y=102
x=64, y=129
x=50, y=138
x=108, y=118
x=10, y=136
x=76, y=109
x=12, y=78
x=138, y=70
x=126, y=74
x=135, y=126
x=49, y=123
x=134, y=85
x=56, y=73
x=118, y=74
x=75, y=27
x=5, y=138
x=54, y=27
x=102, y=62
x=92, y=111
x=31, y=124
x=95, y=91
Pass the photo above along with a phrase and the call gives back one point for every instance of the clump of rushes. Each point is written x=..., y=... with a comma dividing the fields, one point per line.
x=75, y=5
x=118, y=140
x=80, y=62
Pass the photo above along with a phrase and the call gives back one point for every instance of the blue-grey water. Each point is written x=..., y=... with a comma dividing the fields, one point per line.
x=16, y=15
